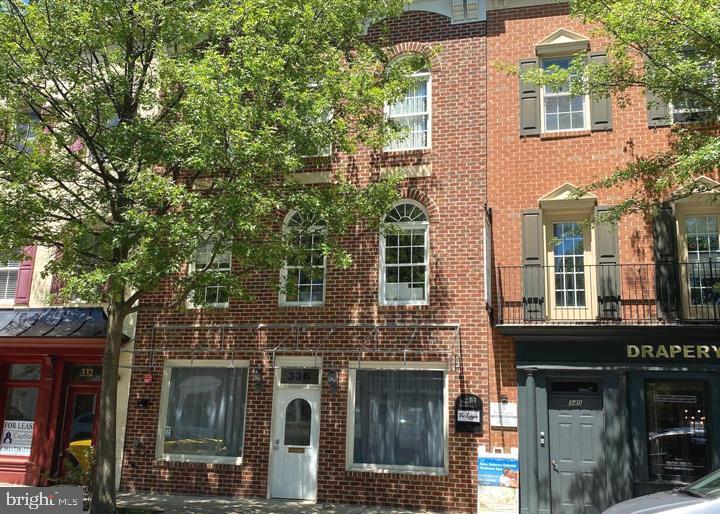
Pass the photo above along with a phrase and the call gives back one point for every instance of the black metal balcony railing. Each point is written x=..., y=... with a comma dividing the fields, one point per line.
x=657, y=293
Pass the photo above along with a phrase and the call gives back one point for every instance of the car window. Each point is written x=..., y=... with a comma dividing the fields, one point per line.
x=708, y=486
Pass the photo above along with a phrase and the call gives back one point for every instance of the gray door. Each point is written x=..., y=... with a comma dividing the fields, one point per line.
x=578, y=481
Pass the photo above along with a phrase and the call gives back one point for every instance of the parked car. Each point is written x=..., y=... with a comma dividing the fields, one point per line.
x=700, y=497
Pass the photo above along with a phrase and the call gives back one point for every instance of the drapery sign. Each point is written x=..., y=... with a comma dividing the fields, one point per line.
x=16, y=438
x=498, y=482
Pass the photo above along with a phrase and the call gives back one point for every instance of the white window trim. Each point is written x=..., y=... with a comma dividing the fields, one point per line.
x=282, y=299
x=219, y=305
x=696, y=205
x=683, y=110
x=5, y=302
x=406, y=226
x=350, y=465
x=428, y=146
x=543, y=95
x=164, y=400
x=550, y=218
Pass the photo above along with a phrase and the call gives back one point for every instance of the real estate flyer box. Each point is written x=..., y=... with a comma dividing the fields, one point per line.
x=498, y=481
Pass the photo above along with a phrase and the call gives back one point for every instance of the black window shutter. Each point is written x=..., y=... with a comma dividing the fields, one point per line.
x=533, y=251
x=529, y=100
x=608, y=269
x=667, y=283
x=600, y=108
x=658, y=111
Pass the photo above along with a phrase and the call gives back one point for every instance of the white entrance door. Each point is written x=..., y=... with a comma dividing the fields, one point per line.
x=295, y=444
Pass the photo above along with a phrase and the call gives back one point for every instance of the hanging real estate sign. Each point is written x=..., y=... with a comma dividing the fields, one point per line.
x=16, y=438
x=498, y=483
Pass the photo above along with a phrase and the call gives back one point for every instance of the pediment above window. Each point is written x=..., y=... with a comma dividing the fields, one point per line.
x=564, y=198
x=562, y=42
x=701, y=189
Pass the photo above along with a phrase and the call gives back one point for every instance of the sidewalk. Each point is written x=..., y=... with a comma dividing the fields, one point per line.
x=176, y=504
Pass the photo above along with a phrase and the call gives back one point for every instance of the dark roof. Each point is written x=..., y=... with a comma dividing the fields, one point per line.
x=53, y=322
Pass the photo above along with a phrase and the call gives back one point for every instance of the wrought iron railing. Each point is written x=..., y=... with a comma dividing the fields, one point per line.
x=657, y=293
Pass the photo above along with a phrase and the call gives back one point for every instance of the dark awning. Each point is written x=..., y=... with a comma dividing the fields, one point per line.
x=53, y=322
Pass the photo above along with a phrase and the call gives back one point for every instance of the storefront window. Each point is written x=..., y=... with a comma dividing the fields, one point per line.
x=676, y=414
x=19, y=420
x=399, y=418
x=24, y=372
x=205, y=412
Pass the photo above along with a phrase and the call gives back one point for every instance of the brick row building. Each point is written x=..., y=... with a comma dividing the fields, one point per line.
x=343, y=387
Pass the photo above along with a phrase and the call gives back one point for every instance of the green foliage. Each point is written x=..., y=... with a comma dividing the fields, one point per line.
x=672, y=48
x=135, y=131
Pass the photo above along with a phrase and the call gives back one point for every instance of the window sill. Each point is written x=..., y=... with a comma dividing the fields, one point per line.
x=302, y=305
x=313, y=177
x=407, y=151
x=180, y=459
x=564, y=134
x=399, y=470
x=208, y=307
x=403, y=304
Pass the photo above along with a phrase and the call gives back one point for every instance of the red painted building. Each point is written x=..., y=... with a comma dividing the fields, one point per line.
x=50, y=375
x=50, y=358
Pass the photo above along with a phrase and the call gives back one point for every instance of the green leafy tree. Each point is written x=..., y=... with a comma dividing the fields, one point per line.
x=134, y=133
x=671, y=48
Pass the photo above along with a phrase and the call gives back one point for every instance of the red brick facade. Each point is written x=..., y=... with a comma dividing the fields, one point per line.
x=478, y=158
x=454, y=195
x=521, y=170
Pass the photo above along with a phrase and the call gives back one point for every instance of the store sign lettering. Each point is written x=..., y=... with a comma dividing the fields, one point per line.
x=673, y=351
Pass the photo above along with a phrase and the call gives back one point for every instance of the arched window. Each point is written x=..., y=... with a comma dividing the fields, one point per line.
x=303, y=276
x=414, y=113
x=404, y=248
x=298, y=423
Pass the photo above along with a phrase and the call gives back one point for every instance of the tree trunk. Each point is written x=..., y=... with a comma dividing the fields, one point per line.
x=102, y=488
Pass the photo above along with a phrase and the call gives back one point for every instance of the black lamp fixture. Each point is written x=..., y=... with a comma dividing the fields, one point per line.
x=332, y=380
x=257, y=378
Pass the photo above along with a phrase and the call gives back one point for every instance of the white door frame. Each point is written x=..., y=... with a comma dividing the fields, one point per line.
x=285, y=362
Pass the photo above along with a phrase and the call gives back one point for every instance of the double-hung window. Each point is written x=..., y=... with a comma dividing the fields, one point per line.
x=562, y=110
x=303, y=276
x=412, y=113
x=399, y=419
x=206, y=258
x=8, y=280
x=404, y=260
x=202, y=411
x=692, y=108
x=703, y=248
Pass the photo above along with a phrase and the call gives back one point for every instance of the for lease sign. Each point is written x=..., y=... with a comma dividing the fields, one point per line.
x=16, y=438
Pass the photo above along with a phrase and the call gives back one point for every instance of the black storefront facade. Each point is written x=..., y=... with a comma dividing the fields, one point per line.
x=609, y=413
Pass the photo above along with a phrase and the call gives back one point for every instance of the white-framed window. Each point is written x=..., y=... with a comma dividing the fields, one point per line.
x=8, y=280
x=413, y=113
x=27, y=131
x=404, y=255
x=212, y=295
x=302, y=278
x=561, y=110
x=569, y=263
x=703, y=249
x=398, y=418
x=691, y=109
x=202, y=411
